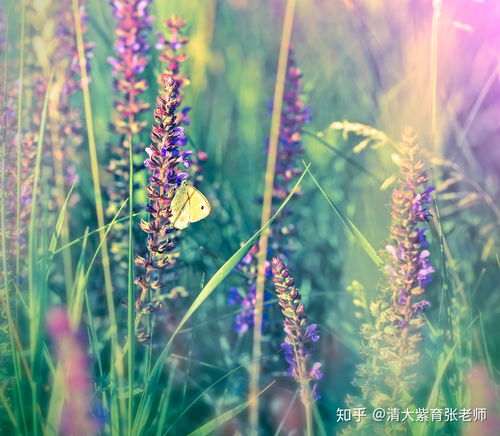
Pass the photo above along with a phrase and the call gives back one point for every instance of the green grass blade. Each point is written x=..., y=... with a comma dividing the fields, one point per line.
x=215, y=423
x=320, y=425
x=202, y=394
x=165, y=402
x=342, y=155
x=350, y=227
x=19, y=138
x=33, y=269
x=16, y=351
x=286, y=414
x=131, y=293
x=75, y=308
x=442, y=365
x=97, y=230
x=60, y=221
x=37, y=289
x=56, y=399
x=10, y=413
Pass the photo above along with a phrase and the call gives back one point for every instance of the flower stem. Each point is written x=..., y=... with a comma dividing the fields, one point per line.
x=116, y=365
x=266, y=214
x=131, y=293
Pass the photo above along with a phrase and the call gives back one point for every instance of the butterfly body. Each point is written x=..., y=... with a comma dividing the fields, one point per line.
x=188, y=206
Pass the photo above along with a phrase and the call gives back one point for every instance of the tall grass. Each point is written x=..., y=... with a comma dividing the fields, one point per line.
x=266, y=212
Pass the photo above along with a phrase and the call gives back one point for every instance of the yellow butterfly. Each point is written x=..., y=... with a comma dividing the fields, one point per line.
x=188, y=206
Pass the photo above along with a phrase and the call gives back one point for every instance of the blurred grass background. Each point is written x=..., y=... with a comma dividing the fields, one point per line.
x=432, y=65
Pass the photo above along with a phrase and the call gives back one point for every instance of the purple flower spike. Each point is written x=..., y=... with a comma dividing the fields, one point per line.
x=127, y=64
x=166, y=162
x=299, y=335
x=246, y=300
x=133, y=23
x=234, y=296
x=409, y=269
x=391, y=338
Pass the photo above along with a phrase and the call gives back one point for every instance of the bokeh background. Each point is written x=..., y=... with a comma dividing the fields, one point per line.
x=433, y=65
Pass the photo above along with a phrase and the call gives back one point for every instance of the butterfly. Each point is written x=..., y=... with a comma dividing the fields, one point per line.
x=188, y=206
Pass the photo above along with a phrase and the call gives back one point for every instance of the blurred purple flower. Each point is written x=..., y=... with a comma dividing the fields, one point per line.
x=294, y=115
x=76, y=417
x=133, y=25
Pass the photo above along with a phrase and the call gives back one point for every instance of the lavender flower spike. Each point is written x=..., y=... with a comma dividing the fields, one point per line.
x=299, y=335
x=389, y=372
x=167, y=162
x=131, y=50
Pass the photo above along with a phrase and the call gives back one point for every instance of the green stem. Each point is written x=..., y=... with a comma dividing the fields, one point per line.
x=279, y=89
x=116, y=365
x=20, y=413
x=131, y=293
x=19, y=136
x=306, y=402
x=35, y=296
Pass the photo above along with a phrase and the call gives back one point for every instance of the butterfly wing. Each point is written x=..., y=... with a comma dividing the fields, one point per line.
x=188, y=206
x=199, y=207
x=180, y=208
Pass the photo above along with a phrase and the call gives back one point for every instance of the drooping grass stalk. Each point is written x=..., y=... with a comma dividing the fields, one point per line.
x=266, y=214
x=462, y=142
x=319, y=137
x=211, y=426
x=116, y=366
x=349, y=226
